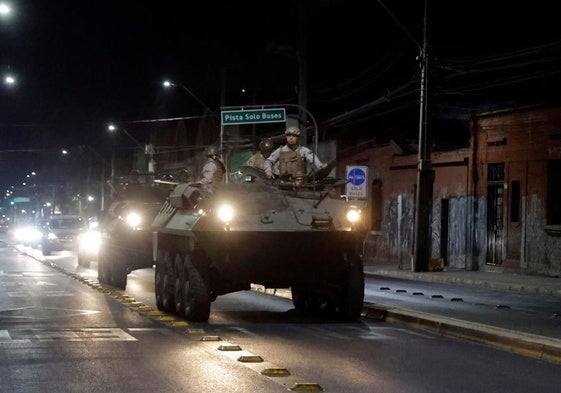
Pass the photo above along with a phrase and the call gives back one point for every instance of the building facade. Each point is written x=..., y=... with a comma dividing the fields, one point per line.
x=496, y=203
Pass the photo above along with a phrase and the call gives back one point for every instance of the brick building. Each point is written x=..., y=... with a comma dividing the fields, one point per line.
x=496, y=203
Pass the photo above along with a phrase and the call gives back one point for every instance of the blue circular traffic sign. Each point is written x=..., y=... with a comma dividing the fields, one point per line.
x=357, y=176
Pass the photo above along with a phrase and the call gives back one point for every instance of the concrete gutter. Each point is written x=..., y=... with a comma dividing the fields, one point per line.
x=526, y=344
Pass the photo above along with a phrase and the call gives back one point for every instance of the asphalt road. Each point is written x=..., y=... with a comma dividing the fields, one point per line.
x=59, y=331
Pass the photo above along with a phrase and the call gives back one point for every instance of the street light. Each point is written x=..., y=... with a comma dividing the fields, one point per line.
x=168, y=84
x=102, y=180
x=102, y=190
x=148, y=149
x=5, y=9
x=113, y=128
x=9, y=80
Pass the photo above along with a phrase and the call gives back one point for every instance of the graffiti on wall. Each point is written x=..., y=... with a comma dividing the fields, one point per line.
x=399, y=228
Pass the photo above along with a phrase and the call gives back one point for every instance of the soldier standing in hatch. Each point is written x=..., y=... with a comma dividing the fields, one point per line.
x=213, y=170
x=291, y=157
x=258, y=159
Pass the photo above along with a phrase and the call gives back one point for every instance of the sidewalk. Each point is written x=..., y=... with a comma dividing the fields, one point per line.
x=492, y=280
x=544, y=347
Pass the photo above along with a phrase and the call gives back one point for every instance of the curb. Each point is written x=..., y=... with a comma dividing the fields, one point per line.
x=524, y=287
x=526, y=344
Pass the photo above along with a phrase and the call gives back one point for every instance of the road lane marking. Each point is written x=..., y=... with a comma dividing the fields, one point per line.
x=81, y=334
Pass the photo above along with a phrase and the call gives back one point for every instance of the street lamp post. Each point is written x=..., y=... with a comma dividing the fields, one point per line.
x=114, y=128
x=102, y=188
x=167, y=84
x=148, y=150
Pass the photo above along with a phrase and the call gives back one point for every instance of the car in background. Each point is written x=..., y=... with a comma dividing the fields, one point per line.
x=62, y=233
x=4, y=224
x=29, y=233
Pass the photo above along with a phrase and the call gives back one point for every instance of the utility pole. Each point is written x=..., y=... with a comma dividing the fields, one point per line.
x=302, y=56
x=425, y=173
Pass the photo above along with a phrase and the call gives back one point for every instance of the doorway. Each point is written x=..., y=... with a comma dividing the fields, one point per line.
x=495, y=214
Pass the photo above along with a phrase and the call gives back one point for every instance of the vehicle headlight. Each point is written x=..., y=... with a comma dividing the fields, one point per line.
x=52, y=236
x=225, y=213
x=353, y=215
x=133, y=219
x=90, y=241
x=27, y=234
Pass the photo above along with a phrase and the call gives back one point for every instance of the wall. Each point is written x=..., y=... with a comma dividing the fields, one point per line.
x=396, y=172
x=524, y=140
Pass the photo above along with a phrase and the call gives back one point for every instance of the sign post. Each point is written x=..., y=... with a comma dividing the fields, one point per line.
x=357, y=187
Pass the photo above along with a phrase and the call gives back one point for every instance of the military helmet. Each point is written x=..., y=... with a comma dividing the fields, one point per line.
x=211, y=151
x=266, y=145
x=292, y=130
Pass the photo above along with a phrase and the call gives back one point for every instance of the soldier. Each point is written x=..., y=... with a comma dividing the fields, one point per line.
x=213, y=170
x=266, y=146
x=258, y=159
x=291, y=157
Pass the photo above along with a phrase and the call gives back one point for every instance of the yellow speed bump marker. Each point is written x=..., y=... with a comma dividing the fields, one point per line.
x=211, y=338
x=250, y=359
x=178, y=323
x=306, y=387
x=155, y=313
x=229, y=347
x=275, y=372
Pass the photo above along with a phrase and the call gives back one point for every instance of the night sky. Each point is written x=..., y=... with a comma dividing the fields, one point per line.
x=81, y=64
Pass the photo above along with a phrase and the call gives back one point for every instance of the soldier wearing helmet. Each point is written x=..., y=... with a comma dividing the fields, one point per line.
x=292, y=158
x=213, y=170
x=258, y=159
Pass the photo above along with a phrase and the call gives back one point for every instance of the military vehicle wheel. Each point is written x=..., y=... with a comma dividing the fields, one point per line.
x=307, y=301
x=117, y=271
x=179, y=286
x=196, y=296
x=46, y=251
x=159, y=283
x=349, y=297
x=110, y=269
x=102, y=264
x=164, y=282
x=83, y=261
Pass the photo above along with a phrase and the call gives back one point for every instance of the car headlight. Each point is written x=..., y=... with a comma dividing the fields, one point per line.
x=52, y=236
x=353, y=215
x=89, y=241
x=27, y=234
x=133, y=219
x=225, y=213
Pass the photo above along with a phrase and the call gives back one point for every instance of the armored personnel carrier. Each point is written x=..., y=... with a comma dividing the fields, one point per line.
x=279, y=234
x=124, y=229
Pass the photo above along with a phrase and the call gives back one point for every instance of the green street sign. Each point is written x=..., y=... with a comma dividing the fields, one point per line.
x=276, y=115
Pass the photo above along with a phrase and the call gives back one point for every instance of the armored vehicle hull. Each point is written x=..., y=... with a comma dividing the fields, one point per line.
x=125, y=233
x=254, y=230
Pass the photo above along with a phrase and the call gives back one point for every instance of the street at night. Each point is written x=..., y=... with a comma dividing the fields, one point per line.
x=60, y=332
x=324, y=196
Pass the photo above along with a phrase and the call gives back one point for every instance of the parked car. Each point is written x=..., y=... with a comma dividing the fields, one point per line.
x=62, y=233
